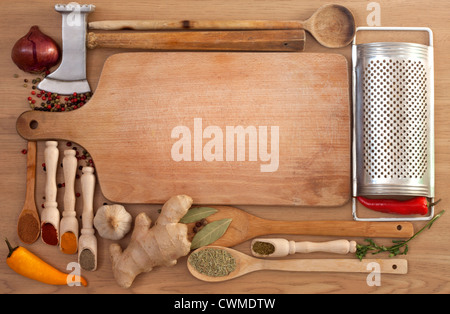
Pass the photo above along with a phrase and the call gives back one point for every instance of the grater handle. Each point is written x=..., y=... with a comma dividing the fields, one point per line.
x=408, y=29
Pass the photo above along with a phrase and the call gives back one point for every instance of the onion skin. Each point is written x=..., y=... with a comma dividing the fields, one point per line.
x=35, y=52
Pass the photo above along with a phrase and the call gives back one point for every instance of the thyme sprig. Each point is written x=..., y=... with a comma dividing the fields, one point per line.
x=400, y=247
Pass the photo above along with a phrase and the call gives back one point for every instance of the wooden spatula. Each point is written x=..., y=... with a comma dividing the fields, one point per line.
x=245, y=226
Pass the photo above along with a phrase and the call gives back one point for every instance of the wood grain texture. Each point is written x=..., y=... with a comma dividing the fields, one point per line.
x=428, y=258
x=246, y=264
x=245, y=226
x=29, y=207
x=142, y=98
x=263, y=40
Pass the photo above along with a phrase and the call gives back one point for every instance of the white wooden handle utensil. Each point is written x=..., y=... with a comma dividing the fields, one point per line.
x=283, y=247
x=87, y=244
x=69, y=222
x=244, y=264
x=50, y=215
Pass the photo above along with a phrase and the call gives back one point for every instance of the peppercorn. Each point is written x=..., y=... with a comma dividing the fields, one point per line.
x=57, y=103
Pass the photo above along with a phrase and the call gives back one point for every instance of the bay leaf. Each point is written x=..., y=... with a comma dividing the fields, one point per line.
x=210, y=233
x=197, y=214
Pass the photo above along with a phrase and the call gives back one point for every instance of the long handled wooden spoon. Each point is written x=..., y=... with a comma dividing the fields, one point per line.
x=245, y=226
x=245, y=264
x=68, y=226
x=50, y=216
x=29, y=224
x=332, y=25
x=87, y=244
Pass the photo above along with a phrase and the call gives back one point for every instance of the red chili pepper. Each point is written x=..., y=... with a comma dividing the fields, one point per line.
x=416, y=205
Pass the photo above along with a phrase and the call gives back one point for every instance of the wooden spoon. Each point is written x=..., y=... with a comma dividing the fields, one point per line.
x=245, y=226
x=87, y=243
x=29, y=215
x=332, y=25
x=69, y=221
x=246, y=264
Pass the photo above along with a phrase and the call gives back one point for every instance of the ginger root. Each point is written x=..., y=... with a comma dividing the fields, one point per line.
x=160, y=245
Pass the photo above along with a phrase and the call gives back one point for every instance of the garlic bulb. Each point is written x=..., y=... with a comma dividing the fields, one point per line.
x=112, y=222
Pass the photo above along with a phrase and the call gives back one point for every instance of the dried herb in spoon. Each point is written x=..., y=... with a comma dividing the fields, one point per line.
x=400, y=247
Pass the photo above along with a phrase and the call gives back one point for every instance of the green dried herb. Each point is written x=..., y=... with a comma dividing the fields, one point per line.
x=197, y=214
x=263, y=248
x=210, y=233
x=213, y=262
x=396, y=249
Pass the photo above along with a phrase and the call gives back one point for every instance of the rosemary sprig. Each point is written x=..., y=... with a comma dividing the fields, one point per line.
x=400, y=247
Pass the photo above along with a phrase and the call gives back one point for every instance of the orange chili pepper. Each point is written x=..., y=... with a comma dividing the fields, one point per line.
x=29, y=265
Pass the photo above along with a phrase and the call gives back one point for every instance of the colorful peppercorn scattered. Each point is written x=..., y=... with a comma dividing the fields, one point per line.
x=55, y=103
x=47, y=101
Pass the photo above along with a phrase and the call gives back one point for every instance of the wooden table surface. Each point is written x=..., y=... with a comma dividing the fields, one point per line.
x=428, y=256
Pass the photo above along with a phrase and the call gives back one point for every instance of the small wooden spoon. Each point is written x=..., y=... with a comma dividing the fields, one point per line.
x=246, y=264
x=332, y=25
x=29, y=209
x=245, y=226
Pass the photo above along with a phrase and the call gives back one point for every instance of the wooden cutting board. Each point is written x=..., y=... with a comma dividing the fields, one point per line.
x=224, y=128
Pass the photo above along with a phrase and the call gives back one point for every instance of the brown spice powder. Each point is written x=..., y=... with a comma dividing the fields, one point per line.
x=28, y=228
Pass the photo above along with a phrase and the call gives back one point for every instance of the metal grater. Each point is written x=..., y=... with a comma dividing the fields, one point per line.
x=393, y=114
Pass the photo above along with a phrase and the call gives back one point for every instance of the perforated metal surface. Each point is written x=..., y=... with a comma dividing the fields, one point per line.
x=393, y=114
x=395, y=119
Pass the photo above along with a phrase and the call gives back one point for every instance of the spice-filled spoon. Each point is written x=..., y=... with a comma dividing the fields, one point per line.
x=283, y=247
x=87, y=244
x=29, y=224
x=215, y=263
x=69, y=223
x=50, y=216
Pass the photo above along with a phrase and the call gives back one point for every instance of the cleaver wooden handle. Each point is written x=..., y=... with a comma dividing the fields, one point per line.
x=194, y=24
x=261, y=40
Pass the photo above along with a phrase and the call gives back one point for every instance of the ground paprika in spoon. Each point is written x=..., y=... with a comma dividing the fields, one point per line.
x=49, y=234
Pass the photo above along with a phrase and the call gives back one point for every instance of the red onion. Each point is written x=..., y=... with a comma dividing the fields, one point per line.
x=35, y=52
